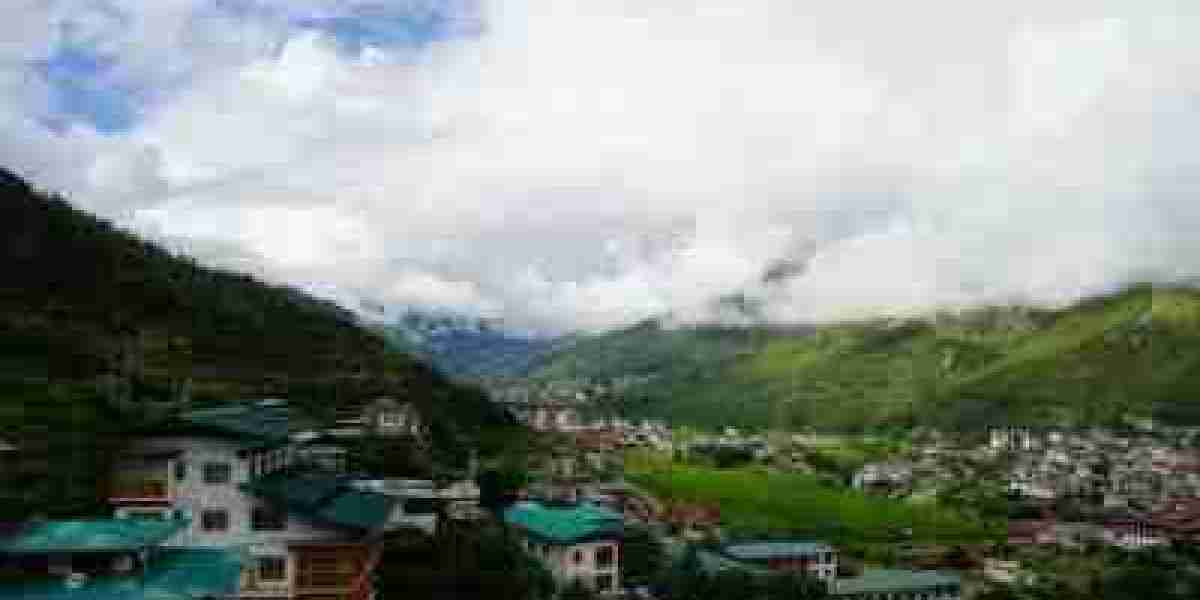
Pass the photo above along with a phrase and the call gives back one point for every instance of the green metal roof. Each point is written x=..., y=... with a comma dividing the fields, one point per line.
x=262, y=421
x=895, y=580
x=171, y=575
x=326, y=499
x=100, y=535
x=774, y=549
x=365, y=510
x=564, y=524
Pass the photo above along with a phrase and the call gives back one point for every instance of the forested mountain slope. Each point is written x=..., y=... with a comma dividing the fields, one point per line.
x=101, y=331
x=1104, y=361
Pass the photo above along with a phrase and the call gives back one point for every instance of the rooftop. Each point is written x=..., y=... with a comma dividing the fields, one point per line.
x=171, y=575
x=895, y=580
x=98, y=535
x=263, y=421
x=331, y=500
x=565, y=523
x=773, y=549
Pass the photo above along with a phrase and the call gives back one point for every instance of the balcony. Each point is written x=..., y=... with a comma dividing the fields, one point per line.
x=139, y=490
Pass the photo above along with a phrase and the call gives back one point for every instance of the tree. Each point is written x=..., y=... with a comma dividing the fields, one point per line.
x=642, y=556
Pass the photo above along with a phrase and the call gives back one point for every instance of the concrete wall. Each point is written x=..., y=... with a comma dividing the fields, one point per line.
x=562, y=563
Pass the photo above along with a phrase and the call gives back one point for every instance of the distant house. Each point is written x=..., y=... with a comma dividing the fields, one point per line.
x=1026, y=532
x=577, y=542
x=1131, y=533
x=815, y=559
x=543, y=411
x=884, y=477
x=389, y=417
x=693, y=521
x=896, y=584
x=226, y=473
x=1178, y=520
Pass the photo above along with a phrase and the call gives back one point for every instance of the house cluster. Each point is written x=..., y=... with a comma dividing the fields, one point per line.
x=1138, y=487
x=731, y=442
x=236, y=501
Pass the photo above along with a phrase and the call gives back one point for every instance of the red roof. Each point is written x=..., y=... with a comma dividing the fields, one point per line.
x=694, y=514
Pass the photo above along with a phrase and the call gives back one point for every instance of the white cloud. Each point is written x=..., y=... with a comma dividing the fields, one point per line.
x=588, y=164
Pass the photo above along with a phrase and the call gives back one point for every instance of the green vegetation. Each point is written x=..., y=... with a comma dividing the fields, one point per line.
x=462, y=561
x=102, y=333
x=1104, y=361
x=758, y=500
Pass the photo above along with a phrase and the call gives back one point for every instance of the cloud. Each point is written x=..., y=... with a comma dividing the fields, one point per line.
x=570, y=164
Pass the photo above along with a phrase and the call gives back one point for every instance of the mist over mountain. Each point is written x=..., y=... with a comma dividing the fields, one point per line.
x=467, y=347
x=1106, y=361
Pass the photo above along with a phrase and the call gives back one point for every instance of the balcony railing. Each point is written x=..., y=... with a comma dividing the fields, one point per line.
x=144, y=489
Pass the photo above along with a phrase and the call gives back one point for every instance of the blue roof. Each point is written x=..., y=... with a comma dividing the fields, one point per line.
x=881, y=581
x=768, y=550
x=263, y=420
x=171, y=575
x=95, y=535
x=564, y=524
x=326, y=499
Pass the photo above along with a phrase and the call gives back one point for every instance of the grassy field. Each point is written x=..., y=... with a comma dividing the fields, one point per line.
x=756, y=500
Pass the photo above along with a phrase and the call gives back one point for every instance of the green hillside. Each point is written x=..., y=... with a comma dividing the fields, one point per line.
x=1106, y=360
x=101, y=332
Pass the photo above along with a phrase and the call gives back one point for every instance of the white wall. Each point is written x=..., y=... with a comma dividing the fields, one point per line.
x=559, y=560
x=193, y=495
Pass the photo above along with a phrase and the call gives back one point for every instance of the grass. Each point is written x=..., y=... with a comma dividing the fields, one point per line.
x=757, y=500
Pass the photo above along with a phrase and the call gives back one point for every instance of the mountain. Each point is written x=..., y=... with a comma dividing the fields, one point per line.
x=1104, y=361
x=465, y=347
x=101, y=331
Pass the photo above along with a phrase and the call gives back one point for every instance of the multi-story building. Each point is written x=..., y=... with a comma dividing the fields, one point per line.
x=226, y=473
x=577, y=542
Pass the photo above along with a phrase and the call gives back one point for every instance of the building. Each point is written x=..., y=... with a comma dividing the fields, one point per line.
x=388, y=417
x=226, y=473
x=694, y=522
x=896, y=584
x=577, y=542
x=113, y=559
x=884, y=478
x=383, y=417
x=815, y=559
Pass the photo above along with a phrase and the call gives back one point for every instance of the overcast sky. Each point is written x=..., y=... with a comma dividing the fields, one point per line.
x=583, y=164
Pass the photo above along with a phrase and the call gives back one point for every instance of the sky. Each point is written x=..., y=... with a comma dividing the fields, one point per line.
x=569, y=165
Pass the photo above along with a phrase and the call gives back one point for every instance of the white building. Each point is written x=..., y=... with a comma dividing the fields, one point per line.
x=577, y=542
x=226, y=470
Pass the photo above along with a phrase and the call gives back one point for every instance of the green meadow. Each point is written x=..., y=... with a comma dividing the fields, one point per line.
x=757, y=501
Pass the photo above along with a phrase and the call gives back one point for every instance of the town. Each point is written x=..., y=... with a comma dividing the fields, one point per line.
x=256, y=500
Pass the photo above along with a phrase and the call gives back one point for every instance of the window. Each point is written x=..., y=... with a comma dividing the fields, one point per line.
x=604, y=557
x=604, y=583
x=214, y=519
x=217, y=472
x=420, y=506
x=145, y=515
x=391, y=419
x=266, y=518
x=577, y=557
x=180, y=471
x=272, y=568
